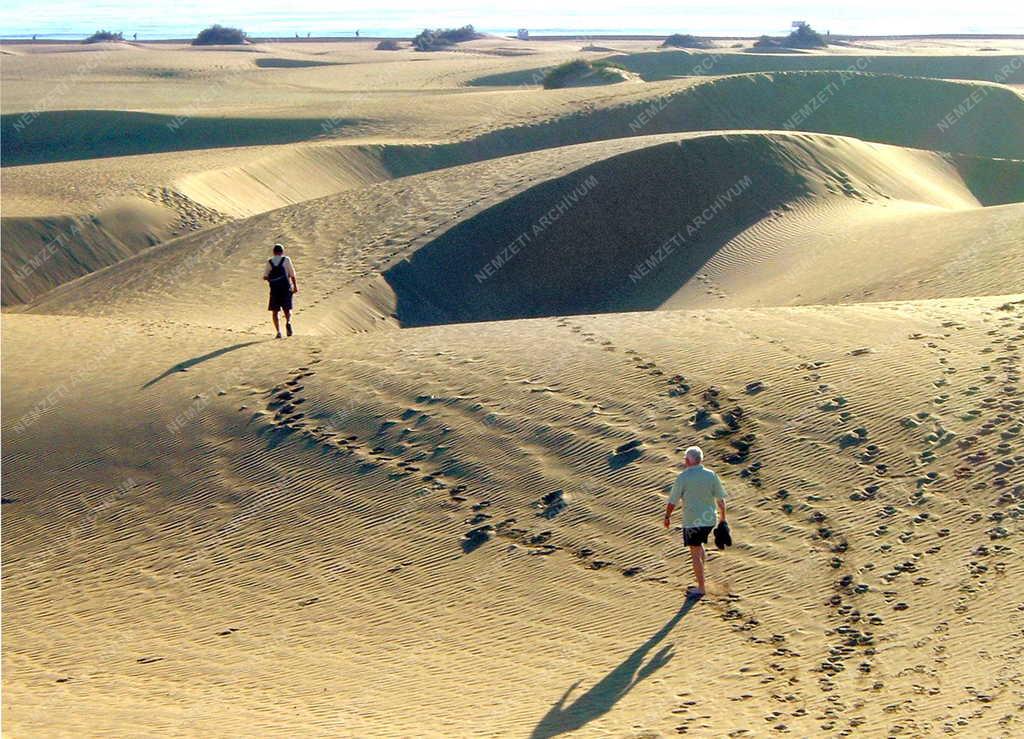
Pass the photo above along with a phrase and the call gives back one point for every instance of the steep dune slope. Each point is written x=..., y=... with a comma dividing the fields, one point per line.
x=979, y=118
x=970, y=119
x=744, y=102
x=1003, y=68
x=608, y=226
x=284, y=178
x=340, y=245
x=627, y=233
x=378, y=536
x=675, y=63
x=56, y=136
x=854, y=252
x=40, y=253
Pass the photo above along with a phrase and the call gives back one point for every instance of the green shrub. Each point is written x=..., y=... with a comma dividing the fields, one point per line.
x=685, y=41
x=388, y=44
x=804, y=37
x=104, y=36
x=561, y=75
x=439, y=38
x=218, y=34
x=557, y=76
x=767, y=42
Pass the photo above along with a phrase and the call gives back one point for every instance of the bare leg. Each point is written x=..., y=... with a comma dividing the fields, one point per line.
x=277, y=325
x=698, y=557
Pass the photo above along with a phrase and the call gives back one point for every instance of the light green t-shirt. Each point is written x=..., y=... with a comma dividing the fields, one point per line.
x=699, y=488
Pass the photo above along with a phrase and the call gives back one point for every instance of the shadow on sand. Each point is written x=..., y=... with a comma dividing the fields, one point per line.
x=611, y=688
x=197, y=360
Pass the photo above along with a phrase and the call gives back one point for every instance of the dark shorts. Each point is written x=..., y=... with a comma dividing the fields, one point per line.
x=280, y=298
x=696, y=536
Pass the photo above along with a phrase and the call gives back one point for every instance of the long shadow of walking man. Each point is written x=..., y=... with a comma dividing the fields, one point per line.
x=198, y=360
x=611, y=688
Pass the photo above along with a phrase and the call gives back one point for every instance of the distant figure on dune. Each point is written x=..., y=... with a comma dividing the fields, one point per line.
x=280, y=275
x=701, y=492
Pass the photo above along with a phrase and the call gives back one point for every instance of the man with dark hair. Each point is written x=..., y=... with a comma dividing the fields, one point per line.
x=701, y=492
x=280, y=274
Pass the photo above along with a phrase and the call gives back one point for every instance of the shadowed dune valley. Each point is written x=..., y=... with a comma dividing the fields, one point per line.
x=601, y=383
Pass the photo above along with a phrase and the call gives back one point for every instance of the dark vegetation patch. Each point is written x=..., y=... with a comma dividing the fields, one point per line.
x=685, y=41
x=802, y=37
x=437, y=39
x=579, y=70
x=217, y=35
x=278, y=63
x=104, y=36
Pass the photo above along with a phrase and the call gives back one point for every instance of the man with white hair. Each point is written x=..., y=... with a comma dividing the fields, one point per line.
x=701, y=492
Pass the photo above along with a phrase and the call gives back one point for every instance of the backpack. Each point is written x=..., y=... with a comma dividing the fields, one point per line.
x=277, y=272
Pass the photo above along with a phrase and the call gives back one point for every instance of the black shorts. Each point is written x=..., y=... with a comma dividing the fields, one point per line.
x=696, y=536
x=280, y=298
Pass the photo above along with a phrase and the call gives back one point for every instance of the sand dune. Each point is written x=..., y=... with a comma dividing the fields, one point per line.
x=205, y=187
x=284, y=178
x=295, y=544
x=344, y=242
x=768, y=100
x=41, y=253
x=649, y=222
x=81, y=134
x=916, y=111
x=435, y=510
x=642, y=231
x=1003, y=68
x=850, y=252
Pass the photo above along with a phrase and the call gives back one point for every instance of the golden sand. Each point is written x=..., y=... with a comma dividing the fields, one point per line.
x=410, y=518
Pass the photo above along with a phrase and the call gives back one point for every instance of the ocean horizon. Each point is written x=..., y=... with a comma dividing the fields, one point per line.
x=21, y=19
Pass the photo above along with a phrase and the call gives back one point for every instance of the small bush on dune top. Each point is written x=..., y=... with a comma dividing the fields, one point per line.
x=804, y=37
x=685, y=41
x=439, y=38
x=558, y=76
x=104, y=36
x=767, y=42
x=388, y=44
x=218, y=34
x=564, y=73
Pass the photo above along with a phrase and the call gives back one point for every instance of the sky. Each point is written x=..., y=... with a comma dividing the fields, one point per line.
x=183, y=18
